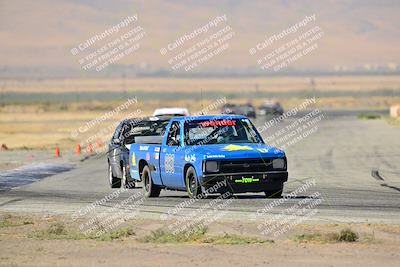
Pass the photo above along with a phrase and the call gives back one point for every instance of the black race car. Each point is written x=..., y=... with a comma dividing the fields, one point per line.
x=245, y=110
x=118, y=149
x=270, y=109
x=228, y=109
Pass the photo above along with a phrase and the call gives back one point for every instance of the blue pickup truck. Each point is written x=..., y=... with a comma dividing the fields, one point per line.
x=197, y=153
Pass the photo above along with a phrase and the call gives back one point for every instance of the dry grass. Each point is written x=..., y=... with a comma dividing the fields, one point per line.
x=170, y=85
x=199, y=235
x=393, y=121
x=58, y=231
x=194, y=234
x=368, y=116
x=345, y=235
x=9, y=220
x=45, y=125
x=27, y=126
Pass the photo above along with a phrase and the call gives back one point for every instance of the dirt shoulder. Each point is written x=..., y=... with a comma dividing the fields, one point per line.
x=33, y=240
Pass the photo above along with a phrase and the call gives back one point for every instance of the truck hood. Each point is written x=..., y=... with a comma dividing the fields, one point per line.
x=237, y=151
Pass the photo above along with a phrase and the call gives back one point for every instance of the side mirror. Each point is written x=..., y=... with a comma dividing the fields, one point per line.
x=173, y=142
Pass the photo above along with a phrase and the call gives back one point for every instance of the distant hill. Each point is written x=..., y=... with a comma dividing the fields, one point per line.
x=37, y=36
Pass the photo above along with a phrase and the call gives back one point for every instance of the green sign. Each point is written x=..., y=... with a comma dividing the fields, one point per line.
x=245, y=180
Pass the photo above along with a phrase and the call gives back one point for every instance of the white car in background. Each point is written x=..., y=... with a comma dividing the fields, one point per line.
x=171, y=112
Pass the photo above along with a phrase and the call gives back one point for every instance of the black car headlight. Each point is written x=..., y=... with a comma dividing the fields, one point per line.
x=278, y=163
x=211, y=166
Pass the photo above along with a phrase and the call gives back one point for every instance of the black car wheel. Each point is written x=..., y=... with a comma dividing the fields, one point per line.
x=114, y=181
x=193, y=187
x=150, y=189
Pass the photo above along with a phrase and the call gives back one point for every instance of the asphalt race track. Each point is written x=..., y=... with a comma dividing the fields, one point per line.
x=355, y=164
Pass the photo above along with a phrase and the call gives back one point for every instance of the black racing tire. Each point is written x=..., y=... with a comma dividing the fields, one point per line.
x=193, y=187
x=126, y=182
x=273, y=193
x=115, y=182
x=149, y=188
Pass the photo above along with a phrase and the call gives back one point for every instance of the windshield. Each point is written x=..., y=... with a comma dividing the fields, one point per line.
x=220, y=131
x=134, y=128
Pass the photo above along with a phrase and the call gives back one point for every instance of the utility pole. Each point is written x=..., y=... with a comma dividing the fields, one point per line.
x=257, y=91
x=312, y=86
x=3, y=87
x=124, y=90
x=201, y=100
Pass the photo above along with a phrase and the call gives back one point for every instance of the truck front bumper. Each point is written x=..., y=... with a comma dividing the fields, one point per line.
x=245, y=182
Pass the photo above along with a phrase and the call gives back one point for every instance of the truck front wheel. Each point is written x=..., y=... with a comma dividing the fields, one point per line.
x=193, y=187
x=115, y=182
x=150, y=189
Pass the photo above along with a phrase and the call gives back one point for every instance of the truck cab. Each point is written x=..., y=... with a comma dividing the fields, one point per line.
x=208, y=154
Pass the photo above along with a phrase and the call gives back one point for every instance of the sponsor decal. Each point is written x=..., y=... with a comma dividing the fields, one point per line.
x=190, y=158
x=236, y=148
x=214, y=123
x=143, y=148
x=157, y=149
x=156, y=156
x=215, y=156
x=247, y=180
x=133, y=159
x=262, y=150
x=148, y=156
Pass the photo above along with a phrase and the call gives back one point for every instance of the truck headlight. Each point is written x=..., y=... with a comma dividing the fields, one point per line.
x=278, y=163
x=212, y=166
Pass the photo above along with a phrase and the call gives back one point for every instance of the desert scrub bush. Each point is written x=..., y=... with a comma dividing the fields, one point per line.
x=59, y=231
x=346, y=235
x=198, y=234
x=11, y=221
x=231, y=239
x=116, y=234
x=162, y=236
x=368, y=116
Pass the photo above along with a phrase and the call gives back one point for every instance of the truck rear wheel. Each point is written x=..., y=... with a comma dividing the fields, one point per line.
x=193, y=187
x=114, y=181
x=150, y=189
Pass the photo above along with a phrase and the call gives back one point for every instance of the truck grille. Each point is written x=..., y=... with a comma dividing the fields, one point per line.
x=247, y=165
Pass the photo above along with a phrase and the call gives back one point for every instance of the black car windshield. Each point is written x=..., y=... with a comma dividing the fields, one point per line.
x=220, y=131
